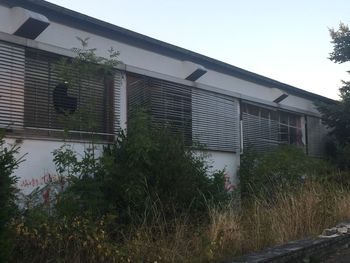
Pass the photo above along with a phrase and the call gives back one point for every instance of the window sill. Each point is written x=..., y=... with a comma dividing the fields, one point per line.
x=59, y=135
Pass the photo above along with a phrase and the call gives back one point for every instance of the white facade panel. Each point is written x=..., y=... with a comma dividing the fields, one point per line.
x=227, y=161
x=38, y=164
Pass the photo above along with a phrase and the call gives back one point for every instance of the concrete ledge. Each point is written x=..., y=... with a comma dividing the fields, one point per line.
x=296, y=251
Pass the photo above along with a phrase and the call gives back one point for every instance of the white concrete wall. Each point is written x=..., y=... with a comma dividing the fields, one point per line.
x=123, y=103
x=38, y=161
x=5, y=20
x=227, y=161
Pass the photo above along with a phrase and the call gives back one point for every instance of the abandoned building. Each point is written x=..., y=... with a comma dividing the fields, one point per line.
x=220, y=106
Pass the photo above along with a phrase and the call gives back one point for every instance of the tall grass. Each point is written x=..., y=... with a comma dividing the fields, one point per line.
x=229, y=231
x=293, y=215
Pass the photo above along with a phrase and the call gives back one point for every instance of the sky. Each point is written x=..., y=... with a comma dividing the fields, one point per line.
x=284, y=40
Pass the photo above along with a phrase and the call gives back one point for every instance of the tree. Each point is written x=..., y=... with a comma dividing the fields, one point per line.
x=337, y=116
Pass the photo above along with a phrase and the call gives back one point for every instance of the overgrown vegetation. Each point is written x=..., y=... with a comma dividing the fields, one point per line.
x=227, y=233
x=143, y=168
x=337, y=116
x=285, y=169
x=148, y=198
x=8, y=163
x=107, y=217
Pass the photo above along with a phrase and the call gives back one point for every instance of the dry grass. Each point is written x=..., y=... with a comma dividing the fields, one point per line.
x=292, y=216
x=230, y=232
x=260, y=224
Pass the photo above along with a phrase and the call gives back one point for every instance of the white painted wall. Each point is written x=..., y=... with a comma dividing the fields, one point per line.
x=123, y=103
x=5, y=18
x=227, y=161
x=38, y=161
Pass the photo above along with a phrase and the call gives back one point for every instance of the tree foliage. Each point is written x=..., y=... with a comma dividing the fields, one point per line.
x=8, y=163
x=341, y=44
x=337, y=116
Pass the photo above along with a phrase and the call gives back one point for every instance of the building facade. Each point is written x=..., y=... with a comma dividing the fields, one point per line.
x=218, y=105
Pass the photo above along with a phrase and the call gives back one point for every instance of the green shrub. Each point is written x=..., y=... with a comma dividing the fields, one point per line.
x=151, y=165
x=84, y=194
x=145, y=166
x=8, y=163
x=284, y=169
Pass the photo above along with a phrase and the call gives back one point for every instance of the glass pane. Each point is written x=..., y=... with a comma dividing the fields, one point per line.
x=253, y=110
x=264, y=113
x=293, y=135
x=273, y=115
x=284, y=118
x=293, y=120
x=244, y=107
x=283, y=133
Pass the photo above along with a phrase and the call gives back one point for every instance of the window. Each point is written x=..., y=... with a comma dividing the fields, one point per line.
x=43, y=105
x=260, y=127
x=290, y=131
x=265, y=128
x=168, y=104
x=200, y=116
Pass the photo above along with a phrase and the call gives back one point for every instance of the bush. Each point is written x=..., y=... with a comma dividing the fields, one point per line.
x=83, y=193
x=151, y=165
x=147, y=166
x=284, y=169
x=8, y=163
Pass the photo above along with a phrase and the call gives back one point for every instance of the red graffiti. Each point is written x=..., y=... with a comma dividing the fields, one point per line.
x=228, y=185
x=46, y=196
x=38, y=181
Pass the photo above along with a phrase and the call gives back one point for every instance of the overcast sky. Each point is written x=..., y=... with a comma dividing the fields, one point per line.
x=284, y=40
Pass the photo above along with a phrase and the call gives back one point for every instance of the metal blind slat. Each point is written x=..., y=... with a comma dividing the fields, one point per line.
x=11, y=85
x=203, y=117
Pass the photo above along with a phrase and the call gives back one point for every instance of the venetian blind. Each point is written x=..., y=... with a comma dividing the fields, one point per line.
x=34, y=99
x=11, y=86
x=260, y=133
x=87, y=103
x=200, y=116
x=215, y=120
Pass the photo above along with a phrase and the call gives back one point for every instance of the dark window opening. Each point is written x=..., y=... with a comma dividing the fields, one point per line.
x=62, y=102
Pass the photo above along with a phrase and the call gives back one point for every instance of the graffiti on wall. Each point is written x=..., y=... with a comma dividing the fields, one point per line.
x=43, y=189
x=228, y=185
x=39, y=181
